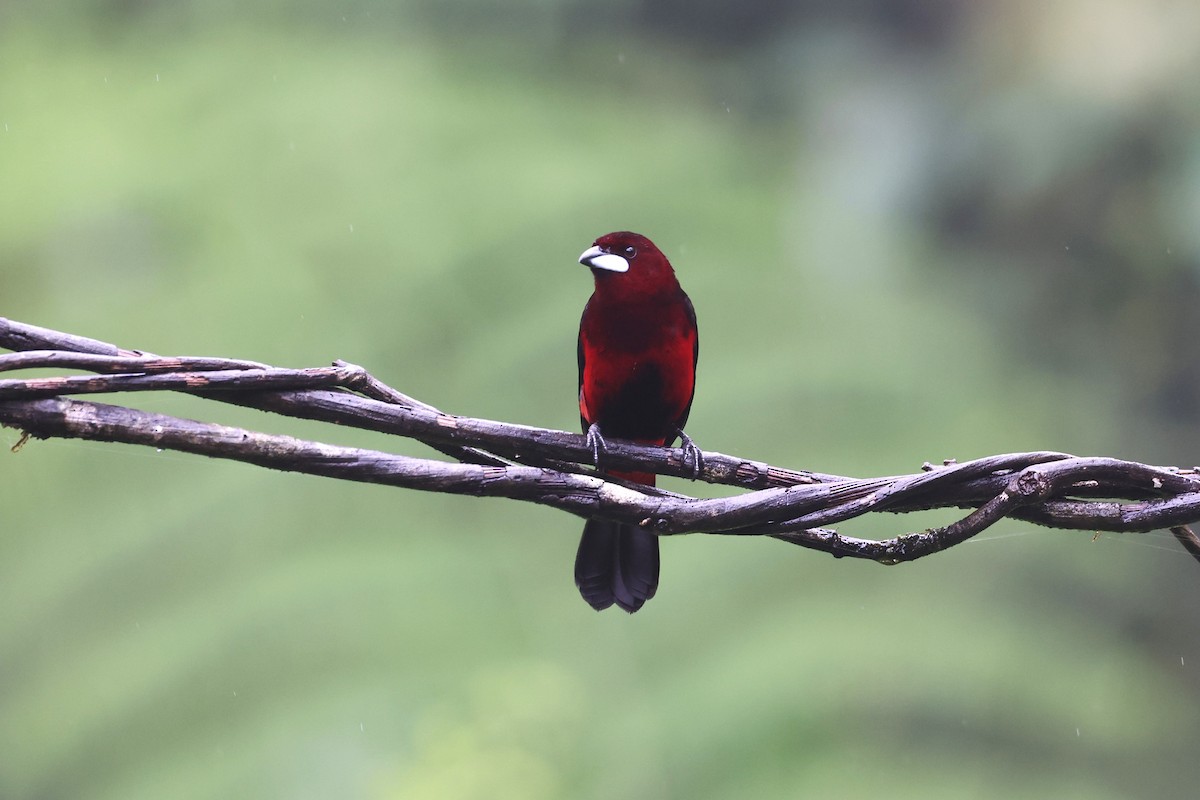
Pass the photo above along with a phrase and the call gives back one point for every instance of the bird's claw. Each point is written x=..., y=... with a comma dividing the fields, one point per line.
x=596, y=441
x=691, y=453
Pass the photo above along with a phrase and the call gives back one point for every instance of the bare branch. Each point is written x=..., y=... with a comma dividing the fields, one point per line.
x=553, y=467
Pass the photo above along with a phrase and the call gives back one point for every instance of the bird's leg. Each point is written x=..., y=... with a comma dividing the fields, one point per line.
x=691, y=452
x=596, y=441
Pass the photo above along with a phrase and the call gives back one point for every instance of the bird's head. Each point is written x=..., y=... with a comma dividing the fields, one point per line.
x=628, y=260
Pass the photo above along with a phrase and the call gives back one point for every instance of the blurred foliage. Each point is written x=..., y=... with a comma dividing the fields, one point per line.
x=911, y=231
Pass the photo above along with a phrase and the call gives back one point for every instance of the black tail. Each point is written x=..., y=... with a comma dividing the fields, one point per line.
x=616, y=564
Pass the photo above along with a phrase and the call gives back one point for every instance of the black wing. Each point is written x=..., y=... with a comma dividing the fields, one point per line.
x=579, y=357
x=691, y=315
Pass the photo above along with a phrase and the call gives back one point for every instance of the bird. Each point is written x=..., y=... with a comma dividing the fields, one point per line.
x=637, y=353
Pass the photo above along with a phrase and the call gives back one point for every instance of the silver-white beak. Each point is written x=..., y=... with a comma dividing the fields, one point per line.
x=596, y=258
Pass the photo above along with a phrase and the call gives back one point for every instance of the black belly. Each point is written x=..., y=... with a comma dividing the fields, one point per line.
x=639, y=408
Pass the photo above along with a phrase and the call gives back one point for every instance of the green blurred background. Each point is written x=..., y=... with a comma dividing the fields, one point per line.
x=912, y=231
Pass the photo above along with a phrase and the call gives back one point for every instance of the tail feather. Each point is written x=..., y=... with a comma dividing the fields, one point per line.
x=616, y=564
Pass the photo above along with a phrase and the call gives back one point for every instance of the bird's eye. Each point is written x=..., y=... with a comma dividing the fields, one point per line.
x=630, y=251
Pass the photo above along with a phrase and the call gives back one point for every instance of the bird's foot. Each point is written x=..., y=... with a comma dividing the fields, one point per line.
x=691, y=453
x=596, y=441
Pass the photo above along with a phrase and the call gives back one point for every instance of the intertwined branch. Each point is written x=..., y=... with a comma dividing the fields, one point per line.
x=554, y=467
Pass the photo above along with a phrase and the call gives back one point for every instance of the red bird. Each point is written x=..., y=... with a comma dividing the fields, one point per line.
x=637, y=371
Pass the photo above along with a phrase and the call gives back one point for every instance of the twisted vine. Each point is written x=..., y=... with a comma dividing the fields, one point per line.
x=554, y=468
